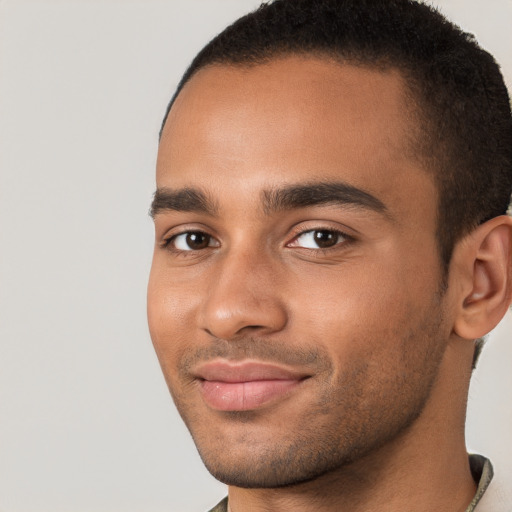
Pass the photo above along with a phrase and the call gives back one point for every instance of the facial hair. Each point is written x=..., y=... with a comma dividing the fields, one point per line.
x=355, y=410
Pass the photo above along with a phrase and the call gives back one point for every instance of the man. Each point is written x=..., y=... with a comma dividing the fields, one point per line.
x=331, y=238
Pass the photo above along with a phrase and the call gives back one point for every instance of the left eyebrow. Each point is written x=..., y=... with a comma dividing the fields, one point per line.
x=320, y=193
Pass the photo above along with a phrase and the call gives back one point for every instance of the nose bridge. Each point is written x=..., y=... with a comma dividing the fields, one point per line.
x=243, y=294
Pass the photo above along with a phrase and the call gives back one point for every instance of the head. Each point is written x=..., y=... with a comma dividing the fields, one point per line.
x=331, y=180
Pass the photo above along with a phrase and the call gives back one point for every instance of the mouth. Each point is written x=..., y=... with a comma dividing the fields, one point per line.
x=246, y=385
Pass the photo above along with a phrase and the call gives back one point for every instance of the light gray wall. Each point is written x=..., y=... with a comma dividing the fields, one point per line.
x=86, y=423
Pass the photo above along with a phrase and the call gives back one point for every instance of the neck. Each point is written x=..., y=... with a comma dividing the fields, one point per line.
x=424, y=468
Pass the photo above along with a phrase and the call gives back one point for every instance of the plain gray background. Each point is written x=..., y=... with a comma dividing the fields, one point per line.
x=86, y=422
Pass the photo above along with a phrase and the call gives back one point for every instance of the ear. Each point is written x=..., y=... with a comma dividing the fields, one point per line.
x=484, y=266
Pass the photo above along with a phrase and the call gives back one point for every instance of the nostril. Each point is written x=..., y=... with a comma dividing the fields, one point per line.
x=242, y=330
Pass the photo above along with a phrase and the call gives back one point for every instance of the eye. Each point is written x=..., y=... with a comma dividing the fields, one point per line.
x=192, y=241
x=318, y=239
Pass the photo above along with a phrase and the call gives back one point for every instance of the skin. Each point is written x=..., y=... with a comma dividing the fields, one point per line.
x=381, y=412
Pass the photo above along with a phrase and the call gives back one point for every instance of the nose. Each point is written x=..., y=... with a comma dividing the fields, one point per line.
x=245, y=297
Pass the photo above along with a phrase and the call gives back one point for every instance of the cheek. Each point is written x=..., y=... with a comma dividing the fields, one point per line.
x=364, y=311
x=169, y=312
x=352, y=295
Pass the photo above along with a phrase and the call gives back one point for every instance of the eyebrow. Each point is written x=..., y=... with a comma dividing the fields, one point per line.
x=291, y=197
x=320, y=193
x=182, y=200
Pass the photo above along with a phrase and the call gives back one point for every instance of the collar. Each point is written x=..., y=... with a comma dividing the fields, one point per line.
x=482, y=471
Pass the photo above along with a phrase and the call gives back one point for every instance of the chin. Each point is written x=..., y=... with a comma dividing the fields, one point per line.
x=282, y=461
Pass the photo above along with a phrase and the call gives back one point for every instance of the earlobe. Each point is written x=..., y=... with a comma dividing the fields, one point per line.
x=486, y=259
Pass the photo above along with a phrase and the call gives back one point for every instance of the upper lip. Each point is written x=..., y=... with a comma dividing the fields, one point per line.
x=245, y=371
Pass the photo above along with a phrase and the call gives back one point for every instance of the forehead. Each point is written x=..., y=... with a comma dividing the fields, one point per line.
x=290, y=120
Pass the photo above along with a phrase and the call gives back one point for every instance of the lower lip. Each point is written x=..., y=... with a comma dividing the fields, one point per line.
x=244, y=396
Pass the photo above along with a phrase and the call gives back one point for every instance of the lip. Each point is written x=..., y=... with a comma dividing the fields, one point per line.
x=244, y=386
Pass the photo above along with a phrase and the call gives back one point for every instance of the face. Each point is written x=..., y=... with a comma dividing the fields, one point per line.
x=294, y=298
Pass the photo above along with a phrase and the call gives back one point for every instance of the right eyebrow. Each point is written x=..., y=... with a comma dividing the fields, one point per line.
x=182, y=200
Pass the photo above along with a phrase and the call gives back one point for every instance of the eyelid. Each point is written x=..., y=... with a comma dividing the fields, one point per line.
x=321, y=225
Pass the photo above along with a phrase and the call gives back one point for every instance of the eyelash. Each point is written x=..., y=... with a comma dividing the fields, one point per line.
x=168, y=244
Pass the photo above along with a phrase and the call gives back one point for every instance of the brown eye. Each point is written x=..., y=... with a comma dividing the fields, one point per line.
x=319, y=239
x=197, y=240
x=193, y=241
x=325, y=238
